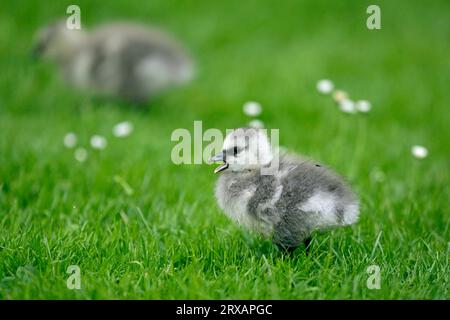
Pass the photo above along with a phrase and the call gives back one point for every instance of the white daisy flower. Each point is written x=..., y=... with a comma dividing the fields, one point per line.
x=258, y=124
x=70, y=140
x=252, y=108
x=419, y=152
x=340, y=95
x=347, y=106
x=98, y=142
x=363, y=106
x=123, y=129
x=81, y=154
x=325, y=86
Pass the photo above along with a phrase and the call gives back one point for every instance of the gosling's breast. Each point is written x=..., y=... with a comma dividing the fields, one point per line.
x=233, y=198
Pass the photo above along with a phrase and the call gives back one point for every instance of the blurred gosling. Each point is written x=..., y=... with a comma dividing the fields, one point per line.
x=288, y=205
x=121, y=60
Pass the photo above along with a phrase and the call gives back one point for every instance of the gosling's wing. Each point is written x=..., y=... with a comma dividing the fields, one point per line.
x=136, y=62
x=321, y=197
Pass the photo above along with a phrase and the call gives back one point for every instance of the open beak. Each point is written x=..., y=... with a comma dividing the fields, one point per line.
x=220, y=158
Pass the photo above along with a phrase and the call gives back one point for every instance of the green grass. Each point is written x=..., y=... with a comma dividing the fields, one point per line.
x=168, y=239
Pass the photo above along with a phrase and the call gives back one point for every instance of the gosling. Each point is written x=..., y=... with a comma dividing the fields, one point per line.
x=287, y=203
x=120, y=60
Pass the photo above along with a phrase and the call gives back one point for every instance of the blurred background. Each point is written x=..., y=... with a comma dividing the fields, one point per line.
x=141, y=227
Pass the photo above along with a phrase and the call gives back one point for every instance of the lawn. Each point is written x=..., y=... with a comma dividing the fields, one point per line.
x=168, y=239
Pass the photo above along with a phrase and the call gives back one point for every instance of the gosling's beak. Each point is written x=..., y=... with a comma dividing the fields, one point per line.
x=218, y=158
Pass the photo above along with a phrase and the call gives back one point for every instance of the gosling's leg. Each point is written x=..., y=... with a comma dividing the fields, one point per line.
x=307, y=243
x=286, y=249
x=291, y=250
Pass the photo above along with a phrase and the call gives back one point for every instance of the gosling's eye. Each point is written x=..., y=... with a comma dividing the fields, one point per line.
x=235, y=151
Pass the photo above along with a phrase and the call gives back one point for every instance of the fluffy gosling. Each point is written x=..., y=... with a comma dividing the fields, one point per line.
x=123, y=60
x=288, y=205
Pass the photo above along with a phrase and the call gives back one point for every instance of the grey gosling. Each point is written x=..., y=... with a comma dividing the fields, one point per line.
x=288, y=204
x=124, y=60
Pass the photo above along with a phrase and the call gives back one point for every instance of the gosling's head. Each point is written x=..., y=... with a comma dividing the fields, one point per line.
x=244, y=149
x=56, y=41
